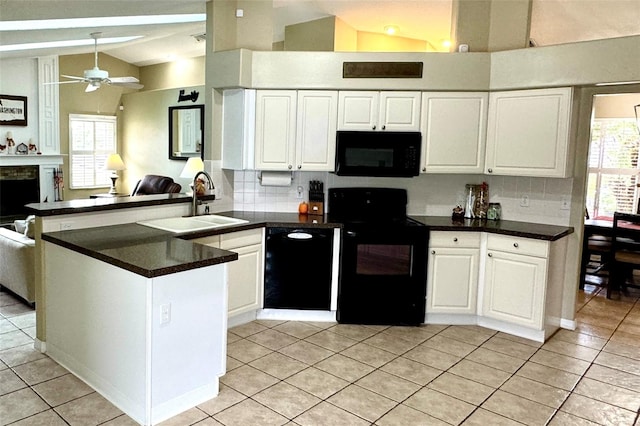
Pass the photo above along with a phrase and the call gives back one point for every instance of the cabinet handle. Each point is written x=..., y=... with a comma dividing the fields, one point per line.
x=374, y=127
x=424, y=169
x=490, y=255
x=455, y=239
x=515, y=245
x=384, y=127
x=433, y=252
x=290, y=167
x=490, y=170
x=299, y=167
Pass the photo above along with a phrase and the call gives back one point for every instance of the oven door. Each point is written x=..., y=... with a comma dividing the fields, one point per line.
x=383, y=275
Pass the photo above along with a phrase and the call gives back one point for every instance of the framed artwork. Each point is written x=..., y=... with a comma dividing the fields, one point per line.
x=13, y=110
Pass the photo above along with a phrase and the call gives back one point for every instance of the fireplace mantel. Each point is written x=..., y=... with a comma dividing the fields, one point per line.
x=30, y=160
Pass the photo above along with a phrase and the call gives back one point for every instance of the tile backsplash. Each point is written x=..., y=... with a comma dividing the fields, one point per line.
x=549, y=199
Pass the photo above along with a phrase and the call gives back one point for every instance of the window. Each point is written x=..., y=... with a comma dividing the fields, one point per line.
x=613, y=167
x=91, y=139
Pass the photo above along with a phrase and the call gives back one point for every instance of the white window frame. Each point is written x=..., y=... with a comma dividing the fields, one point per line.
x=100, y=177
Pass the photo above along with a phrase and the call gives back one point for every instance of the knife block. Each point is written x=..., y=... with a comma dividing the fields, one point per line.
x=316, y=202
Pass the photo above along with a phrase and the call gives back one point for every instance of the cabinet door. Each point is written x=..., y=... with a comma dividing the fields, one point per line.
x=358, y=110
x=514, y=288
x=400, y=111
x=453, y=132
x=452, y=280
x=316, y=130
x=528, y=133
x=245, y=280
x=275, y=129
x=238, y=129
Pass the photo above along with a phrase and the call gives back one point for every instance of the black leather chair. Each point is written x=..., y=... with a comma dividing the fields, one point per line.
x=625, y=251
x=154, y=184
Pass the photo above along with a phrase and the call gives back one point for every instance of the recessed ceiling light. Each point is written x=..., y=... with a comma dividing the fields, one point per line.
x=64, y=43
x=391, y=29
x=111, y=21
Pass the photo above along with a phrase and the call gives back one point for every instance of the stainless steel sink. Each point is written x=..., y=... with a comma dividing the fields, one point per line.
x=192, y=223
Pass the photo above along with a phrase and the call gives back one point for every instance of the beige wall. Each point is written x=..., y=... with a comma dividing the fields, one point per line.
x=177, y=74
x=317, y=35
x=375, y=42
x=346, y=37
x=510, y=25
x=616, y=106
x=74, y=100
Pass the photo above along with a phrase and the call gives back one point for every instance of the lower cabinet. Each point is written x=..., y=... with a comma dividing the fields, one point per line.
x=452, y=275
x=245, y=274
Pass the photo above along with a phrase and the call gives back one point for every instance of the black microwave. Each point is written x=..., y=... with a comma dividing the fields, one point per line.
x=384, y=154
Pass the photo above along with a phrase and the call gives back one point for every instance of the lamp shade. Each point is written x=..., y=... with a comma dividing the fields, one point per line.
x=114, y=162
x=193, y=166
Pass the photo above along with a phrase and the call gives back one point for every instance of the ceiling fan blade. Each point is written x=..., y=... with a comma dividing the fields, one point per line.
x=124, y=80
x=73, y=77
x=129, y=85
x=91, y=87
x=63, y=82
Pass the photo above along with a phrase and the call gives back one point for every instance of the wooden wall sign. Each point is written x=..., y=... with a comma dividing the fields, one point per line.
x=382, y=70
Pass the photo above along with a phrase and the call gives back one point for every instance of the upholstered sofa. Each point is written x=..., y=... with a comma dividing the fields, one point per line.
x=17, y=263
x=154, y=184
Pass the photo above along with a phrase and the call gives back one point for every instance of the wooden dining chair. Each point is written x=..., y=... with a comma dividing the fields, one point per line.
x=625, y=252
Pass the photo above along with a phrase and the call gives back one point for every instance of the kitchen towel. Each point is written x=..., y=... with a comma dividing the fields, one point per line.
x=275, y=178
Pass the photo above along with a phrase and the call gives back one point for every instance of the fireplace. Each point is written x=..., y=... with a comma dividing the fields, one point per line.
x=19, y=185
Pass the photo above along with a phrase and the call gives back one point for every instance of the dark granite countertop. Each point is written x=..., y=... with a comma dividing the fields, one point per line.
x=140, y=249
x=536, y=231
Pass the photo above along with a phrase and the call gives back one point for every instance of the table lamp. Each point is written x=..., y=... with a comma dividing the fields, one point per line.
x=114, y=163
x=193, y=166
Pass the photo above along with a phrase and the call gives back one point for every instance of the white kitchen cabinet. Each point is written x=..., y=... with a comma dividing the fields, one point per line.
x=452, y=272
x=453, y=132
x=275, y=129
x=245, y=275
x=317, y=117
x=528, y=133
x=238, y=129
x=373, y=110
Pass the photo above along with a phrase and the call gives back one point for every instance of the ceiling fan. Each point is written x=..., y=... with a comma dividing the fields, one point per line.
x=96, y=77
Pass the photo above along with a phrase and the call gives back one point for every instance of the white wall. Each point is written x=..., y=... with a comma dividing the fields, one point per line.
x=19, y=77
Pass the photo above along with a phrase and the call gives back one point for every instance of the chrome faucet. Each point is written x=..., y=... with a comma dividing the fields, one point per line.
x=195, y=201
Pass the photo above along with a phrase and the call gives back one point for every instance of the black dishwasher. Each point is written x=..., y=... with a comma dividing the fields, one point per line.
x=298, y=265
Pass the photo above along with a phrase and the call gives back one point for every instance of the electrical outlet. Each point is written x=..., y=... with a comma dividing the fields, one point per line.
x=524, y=201
x=300, y=192
x=565, y=204
x=165, y=313
x=65, y=226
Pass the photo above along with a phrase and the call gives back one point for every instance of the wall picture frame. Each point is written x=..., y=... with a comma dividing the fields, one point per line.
x=13, y=110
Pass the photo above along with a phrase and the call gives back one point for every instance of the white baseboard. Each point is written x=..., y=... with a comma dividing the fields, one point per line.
x=296, y=315
x=39, y=345
x=568, y=324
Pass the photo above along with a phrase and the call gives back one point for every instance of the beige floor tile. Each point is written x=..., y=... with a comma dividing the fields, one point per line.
x=188, y=417
x=561, y=362
x=7, y=326
x=233, y=363
x=496, y=360
x=431, y=357
x=278, y=365
x=407, y=416
x=297, y=329
x=597, y=320
x=518, y=408
x=626, y=338
x=62, y=389
x=509, y=347
x=619, y=362
x=249, y=412
x=330, y=340
x=470, y=334
x=610, y=394
x=416, y=335
x=480, y=373
x=16, y=309
x=623, y=350
x=594, y=330
x=328, y=414
x=38, y=371
x=248, y=329
x=344, y=367
x=582, y=339
x=565, y=419
x=269, y=323
x=614, y=377
x=362, y=402
x=232, y=337
x=210, y=422
x=440, y=406
x=286, y=399
x=482, y=417
x=46, y=418
x=450, y=346
x=549, y=375
x=91, y=409
x=13, y=339
x=10, y=382
x=24, y=320
x=122, y=420
x=388, y=385
x=413, y=371
x=30, y=331
x=597, y=411
x=395, y=345
x=225, y=399
x=247, y=380
x=20, y=355
x=535, y=391
x=323, y=325
x=272, y=339
x=246, y=351
x=459, y=387
x=369, y=355
x=306, y=352
x=519, y=339
x=317, y=382
x=20, y=404
x=571, y=349
x=353, y=331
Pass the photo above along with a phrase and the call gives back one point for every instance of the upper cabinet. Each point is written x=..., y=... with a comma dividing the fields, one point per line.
x=316, y=130
x=275, y=129
x=453, y=132
x=372, y=110
x=528, y=133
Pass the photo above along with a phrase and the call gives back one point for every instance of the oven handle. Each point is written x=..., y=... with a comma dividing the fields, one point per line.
x=351, y=234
